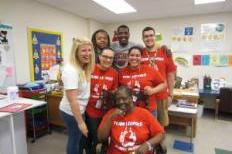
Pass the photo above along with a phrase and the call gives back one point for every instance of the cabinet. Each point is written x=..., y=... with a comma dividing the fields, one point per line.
x=225, y=97
x=53, y=110
x=37, y=122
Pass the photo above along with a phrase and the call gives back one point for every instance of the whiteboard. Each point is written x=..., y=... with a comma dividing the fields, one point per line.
x=7, y=61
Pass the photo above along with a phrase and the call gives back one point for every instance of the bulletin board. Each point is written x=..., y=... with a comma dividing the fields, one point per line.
x=211, y=46
x=208, y=52
x=45, y=50
x=7, y=61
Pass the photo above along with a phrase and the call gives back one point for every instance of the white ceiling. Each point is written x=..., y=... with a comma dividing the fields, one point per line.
x=146, y=9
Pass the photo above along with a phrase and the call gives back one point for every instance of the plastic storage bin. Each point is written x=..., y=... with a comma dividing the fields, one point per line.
x=37, y=121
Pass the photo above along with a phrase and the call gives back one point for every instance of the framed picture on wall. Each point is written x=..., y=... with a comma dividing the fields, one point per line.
x=45, y=49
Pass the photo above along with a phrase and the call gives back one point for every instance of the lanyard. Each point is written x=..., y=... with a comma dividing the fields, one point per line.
x=102, y=85
x=151, y=59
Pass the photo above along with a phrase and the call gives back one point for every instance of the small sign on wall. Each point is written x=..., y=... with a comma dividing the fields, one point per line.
x=212, y=37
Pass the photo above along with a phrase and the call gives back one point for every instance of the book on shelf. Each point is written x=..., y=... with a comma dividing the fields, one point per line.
x=15, y=107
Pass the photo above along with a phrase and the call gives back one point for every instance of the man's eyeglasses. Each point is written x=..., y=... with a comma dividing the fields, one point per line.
x=107, y=57
x=151, y=35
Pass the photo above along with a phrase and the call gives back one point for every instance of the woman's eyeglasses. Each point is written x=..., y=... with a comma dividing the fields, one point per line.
x=107, y=57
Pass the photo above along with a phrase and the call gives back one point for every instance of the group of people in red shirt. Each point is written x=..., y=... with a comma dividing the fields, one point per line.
x=149, y=74
x=125, y=102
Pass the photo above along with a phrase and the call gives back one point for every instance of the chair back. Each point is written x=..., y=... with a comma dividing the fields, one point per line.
x=225, y=96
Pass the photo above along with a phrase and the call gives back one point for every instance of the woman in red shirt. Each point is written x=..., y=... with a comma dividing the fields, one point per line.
x=130, y=128
x=104, y=81
x=144, y=81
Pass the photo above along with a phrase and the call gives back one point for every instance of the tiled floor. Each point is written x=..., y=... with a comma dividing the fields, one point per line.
x=211, y=134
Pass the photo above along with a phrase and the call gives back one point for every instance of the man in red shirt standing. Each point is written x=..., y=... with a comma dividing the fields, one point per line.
x=161, y=59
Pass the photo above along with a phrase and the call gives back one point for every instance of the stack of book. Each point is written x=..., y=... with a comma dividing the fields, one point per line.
x=185, y=104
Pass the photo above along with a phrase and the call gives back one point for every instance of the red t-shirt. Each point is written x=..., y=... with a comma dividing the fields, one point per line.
x=107, y=80
x=162, y=63
x=131, y=130
x=137, y=79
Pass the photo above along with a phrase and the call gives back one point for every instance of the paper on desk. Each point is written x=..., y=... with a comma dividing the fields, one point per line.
x=190, y=93
x=186, y=93
x=174, y=108
x=14, y=107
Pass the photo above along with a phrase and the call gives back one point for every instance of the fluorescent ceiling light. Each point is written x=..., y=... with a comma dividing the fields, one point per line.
x=196, y=2
x=116, y=6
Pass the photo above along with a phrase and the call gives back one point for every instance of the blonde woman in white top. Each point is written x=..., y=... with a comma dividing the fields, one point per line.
x=76, y=79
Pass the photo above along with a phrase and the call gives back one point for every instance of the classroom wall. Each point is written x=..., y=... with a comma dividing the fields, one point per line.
x=93, y=26
x=165, y=26
x=29, y=13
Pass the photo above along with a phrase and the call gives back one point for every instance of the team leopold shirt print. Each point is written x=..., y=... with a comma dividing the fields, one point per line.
x=130, y=131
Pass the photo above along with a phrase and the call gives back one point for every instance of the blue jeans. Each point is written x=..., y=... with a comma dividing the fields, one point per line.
x=74, y=133
x=92, y=141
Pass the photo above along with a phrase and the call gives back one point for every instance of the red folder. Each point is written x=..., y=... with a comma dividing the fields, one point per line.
x=15, y=107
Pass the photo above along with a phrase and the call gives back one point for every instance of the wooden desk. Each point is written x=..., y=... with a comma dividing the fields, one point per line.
x=176, y=118
x=53, y=110
x=184, y=117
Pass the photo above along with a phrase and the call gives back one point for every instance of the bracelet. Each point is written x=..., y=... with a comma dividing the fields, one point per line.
x=149, y=145
x=81, y=124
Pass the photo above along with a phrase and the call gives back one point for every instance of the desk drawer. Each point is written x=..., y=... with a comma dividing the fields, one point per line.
x=180, y=120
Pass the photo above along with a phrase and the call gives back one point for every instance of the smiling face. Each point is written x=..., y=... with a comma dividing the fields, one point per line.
x=101, y=40
x=123, y=36
x=123, y=101
x=84, y=54
x=149, y=38
x=106, y=58
x=134, y=58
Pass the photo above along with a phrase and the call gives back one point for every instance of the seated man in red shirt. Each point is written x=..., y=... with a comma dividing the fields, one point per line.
x=130, y=128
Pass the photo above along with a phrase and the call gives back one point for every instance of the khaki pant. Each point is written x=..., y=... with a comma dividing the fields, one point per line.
x=162, y=108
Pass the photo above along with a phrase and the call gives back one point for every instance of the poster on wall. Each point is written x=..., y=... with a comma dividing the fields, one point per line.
x=182, y=39
x=182, y=60
x=212, y=60
x=7, y=63
x=212, y=37
x=45, y=52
